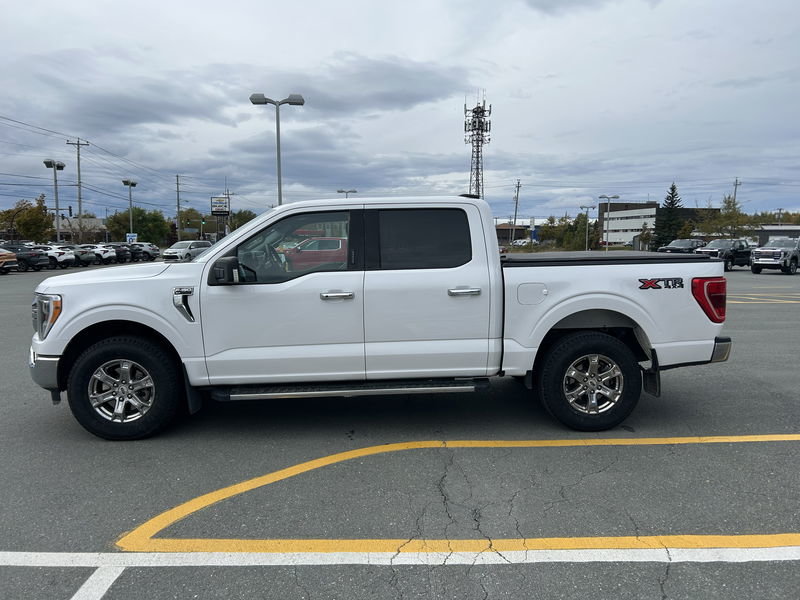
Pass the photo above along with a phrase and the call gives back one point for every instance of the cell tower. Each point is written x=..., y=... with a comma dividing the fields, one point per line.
x=476, y=132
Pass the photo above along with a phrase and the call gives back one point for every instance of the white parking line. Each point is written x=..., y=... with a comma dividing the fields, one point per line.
x=111, y=564
x=98, y=584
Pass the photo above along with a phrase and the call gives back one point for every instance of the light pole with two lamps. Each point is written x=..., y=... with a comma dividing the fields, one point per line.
x=587, y=209
x=608, y=200
x=130, y=184
x=56, y=166
x=294, y=100
x=346, y=192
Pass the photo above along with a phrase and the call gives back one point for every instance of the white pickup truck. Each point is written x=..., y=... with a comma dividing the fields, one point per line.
x=395, y=296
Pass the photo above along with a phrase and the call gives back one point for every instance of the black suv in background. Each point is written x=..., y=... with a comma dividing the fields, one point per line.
x=735, y=253
x=684, y=246
x=28, y=258
x=122, y=250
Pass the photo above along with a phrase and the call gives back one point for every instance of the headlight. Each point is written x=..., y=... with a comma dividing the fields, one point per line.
x=45, y=310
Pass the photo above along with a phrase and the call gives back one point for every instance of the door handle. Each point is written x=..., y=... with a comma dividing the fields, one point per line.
x=464, y=292
x=336, y=295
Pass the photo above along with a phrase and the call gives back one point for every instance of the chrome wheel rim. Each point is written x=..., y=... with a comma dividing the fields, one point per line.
x=121, y=391
x=593, y=384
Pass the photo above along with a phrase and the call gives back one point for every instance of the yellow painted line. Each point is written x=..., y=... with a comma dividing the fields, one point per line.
x=142, y=539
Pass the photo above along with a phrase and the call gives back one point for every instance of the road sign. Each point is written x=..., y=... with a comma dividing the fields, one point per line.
x=130, y=238
x=220, y=206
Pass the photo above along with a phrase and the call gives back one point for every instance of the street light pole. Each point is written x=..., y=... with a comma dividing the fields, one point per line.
x=586, y=208
x=130, y=184
x=56, y=166
x=346, y=192
x=294, y=100
x=608, y=200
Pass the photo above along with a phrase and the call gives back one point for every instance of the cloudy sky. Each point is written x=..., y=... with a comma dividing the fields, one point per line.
x=589, y=97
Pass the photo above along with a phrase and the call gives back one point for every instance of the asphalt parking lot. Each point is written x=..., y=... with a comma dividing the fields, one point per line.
x=696, y=495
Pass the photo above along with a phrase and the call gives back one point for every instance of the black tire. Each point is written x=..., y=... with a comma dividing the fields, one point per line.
x=22, y=265
x=791, y=269
x=5, y=271
x=97, y=260
x=728, y=264
x=52, y=263
x=37, y=268
x=754, y=269
x=144, y=411
x=597, y=354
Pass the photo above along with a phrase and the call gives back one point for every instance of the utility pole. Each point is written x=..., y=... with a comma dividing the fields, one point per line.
x=178, y=214
x=226, y=218
x=78, y=145
x=780, y=211
x=736, y=184
x=516, y=206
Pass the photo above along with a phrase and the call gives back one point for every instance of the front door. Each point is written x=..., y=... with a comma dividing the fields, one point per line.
x=286, y=322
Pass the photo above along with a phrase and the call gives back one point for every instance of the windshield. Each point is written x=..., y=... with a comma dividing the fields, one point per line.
x=781, y=242
x=681, y=243
x=720, y=244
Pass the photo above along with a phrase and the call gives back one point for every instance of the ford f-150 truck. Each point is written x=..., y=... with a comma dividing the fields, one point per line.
x=422, y=302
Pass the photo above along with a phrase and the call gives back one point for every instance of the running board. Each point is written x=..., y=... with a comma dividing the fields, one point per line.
x=348, y=389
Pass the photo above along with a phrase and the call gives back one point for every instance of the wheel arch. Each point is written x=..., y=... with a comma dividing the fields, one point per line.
x=105, y=329
x=613, y=323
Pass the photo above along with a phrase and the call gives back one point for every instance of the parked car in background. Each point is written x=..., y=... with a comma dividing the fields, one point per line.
x=123, y=254
x=186, y=249
x=28, y=258
x=102, y=254
x=57, y=257
x=8, y=261
x=148, y=251
x=734, y=253
x=778, y=253
x=687, y=246
x=316, y=251
x=83, y=256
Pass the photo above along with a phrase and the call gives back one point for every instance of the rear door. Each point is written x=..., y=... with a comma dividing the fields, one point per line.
x=426, y=293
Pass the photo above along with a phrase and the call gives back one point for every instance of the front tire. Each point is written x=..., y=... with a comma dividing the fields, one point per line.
x=754, y=269
x=589, y=381
x=124, y=388
x=728, y=264
x=53, y=263
x=791, y=269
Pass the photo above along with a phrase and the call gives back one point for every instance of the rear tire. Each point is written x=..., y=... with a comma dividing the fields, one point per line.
x=22, y=266
x=589, y=381
x=124, y=388
x=52, y=263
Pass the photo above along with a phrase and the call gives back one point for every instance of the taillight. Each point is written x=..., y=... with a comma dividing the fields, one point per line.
x=711, y=294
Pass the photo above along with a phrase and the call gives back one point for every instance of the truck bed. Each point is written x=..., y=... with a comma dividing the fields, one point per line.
x=617, y=257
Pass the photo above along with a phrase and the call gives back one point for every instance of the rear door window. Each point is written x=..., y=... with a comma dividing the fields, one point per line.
x=426, y=238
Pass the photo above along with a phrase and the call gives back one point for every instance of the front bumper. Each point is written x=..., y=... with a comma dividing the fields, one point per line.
x=44, y=370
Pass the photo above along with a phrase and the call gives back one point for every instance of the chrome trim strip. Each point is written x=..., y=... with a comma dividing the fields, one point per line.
x=349, y=393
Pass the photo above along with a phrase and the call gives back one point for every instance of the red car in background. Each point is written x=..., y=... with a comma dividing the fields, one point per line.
x=313, y=252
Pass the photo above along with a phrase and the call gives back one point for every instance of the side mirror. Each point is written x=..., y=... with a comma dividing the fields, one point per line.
x=225, y=271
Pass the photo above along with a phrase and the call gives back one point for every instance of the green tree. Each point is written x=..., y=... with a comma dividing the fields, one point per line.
x=668, y=223
x=731, y=222
x=150, y=226
x=686, y=230
x=34, y=222
x=240, y=217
